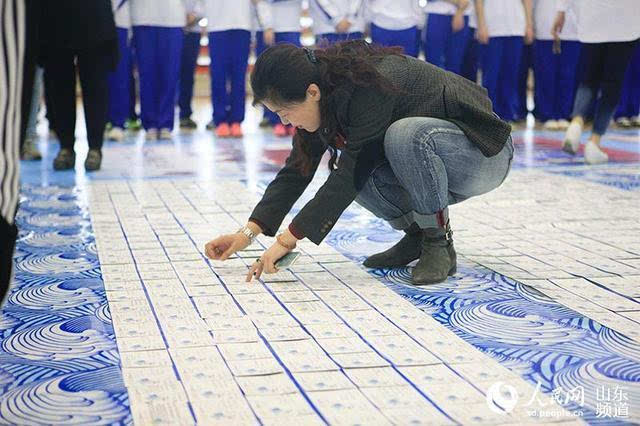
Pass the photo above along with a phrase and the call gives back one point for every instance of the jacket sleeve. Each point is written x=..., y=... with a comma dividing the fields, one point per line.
x=368, y=117
x=285, y=189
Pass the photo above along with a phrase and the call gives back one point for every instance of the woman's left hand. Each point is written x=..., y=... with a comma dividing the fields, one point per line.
x=267, y=261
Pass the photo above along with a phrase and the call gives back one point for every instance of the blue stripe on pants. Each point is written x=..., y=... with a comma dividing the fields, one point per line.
x=443, y=47
x=119, y=83
x=158, y=51
x=500, y=62
x=407, y=39
x=190, y=50
x=556, y=83
x=229, y=51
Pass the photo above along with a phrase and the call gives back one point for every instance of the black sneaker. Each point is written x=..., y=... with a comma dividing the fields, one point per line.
x=93, y=161
x=188, y=124
x=65, y=160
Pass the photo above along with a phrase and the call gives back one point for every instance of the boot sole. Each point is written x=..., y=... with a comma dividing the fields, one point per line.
x=451, y=272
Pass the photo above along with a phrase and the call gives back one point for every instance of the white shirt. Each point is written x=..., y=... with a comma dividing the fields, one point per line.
x=286, y=15
x=224, y=15
x=158, y=13
x=544, y=13
x=441, y=7
x=121, y=13
x=394, y=14
x=326, y=14
x=601, y=21
x=505, y=18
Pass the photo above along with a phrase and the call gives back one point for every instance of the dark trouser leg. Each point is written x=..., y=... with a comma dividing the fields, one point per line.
x=60, y=72
x=93, y=66
x=616, y=60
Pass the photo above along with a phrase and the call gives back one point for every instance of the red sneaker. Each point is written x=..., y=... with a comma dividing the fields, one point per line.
x=279, y=130
x=236, y=130
x=223, y=131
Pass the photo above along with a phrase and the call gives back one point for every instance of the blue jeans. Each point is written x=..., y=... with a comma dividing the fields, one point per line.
x=431, y=165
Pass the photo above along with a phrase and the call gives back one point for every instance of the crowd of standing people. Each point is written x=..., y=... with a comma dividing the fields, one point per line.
x=146, y=51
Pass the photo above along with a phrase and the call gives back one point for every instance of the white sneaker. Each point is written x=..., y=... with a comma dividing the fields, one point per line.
x=550, y=125
x=563, y=124
x=116, y=134
x=593, y=154
x=165, y=134
x=572, y=138
x=624, y=122
x=151, y=134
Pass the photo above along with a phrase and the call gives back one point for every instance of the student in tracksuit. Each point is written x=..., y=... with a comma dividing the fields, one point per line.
x=503, y=27
x=447, y=34
x=609, y=33
x=394, y=23
x=190, y=51
x=629, y=106
x=337, y=20
x=554, y=69
x=229, y=26
x=157, y=35
x=285, y=25
x=119, y=80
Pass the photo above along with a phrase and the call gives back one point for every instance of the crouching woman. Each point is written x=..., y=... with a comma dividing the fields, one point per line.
x=412, y=139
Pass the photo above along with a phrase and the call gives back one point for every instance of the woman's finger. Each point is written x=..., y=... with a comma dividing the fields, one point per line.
x=255, y=271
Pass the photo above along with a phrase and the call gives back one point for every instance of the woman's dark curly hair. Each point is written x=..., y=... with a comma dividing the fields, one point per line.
x=283, y=73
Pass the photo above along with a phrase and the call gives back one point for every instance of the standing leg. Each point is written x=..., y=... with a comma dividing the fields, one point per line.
x=188, y=62
x=437, y=36
x=146, y=45
x=217, y=44
x=456, y=47
x=168, y=74
x=544, y=68
x=93, y=66
x=592, y=63
x=508, y=85
x=616, y=61
x=119, y=82
x=60, y=70
x=491, y=59
x=520, y=100
x=566, y=81
x=470, y=61
x=241, y=41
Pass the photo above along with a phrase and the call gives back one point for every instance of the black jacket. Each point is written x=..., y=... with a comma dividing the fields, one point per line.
x=76, y=24
x=365, y=115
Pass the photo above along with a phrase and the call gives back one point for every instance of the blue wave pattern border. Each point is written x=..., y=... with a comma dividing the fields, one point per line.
x=58, y=357
x=524, y=330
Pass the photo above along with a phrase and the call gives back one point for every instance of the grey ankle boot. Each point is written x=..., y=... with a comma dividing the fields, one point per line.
x=438, y=257
x=405, y=251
